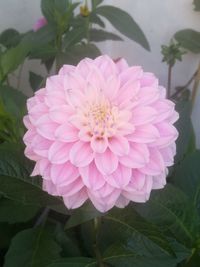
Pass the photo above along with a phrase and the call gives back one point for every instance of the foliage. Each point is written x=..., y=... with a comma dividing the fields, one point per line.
x=35, y=228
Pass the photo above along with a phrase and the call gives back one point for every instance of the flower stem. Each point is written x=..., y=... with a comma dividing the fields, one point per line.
x=97, y=224
x=196, y=86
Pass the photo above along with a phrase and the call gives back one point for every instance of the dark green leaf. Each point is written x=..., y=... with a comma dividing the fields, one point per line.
x=50, y=8
x=78, y=52
x=68, y=242
x=13, y=57
x=96, y=3
x=16, y=183
x=35, y=80
x=142, y=234
x=171, y=210
x=96, y=20
x=13, y=212
x=118, y=255
x=189, y=39
x=100, y=35
x=13, y=100
x=124, y=23
x=73, y=262
x=81, y=215
x=196, y=4
x=74, y=36
x=184, y=127
x=10, y=38
x=32, y=248
x=187, y=177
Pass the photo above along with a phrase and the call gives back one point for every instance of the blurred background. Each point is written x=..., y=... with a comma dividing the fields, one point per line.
x=159, y=20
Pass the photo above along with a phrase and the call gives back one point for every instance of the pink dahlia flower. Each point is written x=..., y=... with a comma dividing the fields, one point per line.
x=101, y=131
x=41, y=22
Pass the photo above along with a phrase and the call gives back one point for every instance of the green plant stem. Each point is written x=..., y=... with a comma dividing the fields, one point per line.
x=97, y=224
x=42, y=218
x=181, y=89
x=169, y=79
x=59, y=50
x=196, y=86
x=19, y=75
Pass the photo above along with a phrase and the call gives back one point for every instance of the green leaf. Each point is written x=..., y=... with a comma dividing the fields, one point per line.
x=74, y=54
x=86, y=213
x=172, y=211
x=73, y=262
x=10, y=38
x=119, y=255
x=124, y=23
x=51, y=7
x=94, y=18
x=100, y=35
x=35, y=81
x=196, y=4
x=189, y=39
x=32, y=248
x=13, y=57
x=13, y=100
x=74, y=36
x=187, y=177
x=14, y=212
x=128, y=224
x=184, y=127
x=16, y=183
x=96, y=3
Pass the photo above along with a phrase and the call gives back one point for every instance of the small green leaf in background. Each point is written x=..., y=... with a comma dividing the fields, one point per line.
x=94, y=18
x=189, y=39
x=124, y=23
x=86, y=213
x=14, y=212
x=35, y=81
x=74, y=36
x=10, y=38
x=187, y=177
x=96, y=3
x=32, y=248
x=74, y=54
x=97, y=35
x=196, y=4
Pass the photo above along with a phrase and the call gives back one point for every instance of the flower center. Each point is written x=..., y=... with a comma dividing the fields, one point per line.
x=101, y=119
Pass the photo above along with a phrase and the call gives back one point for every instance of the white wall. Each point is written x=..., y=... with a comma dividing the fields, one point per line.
x=159, y=20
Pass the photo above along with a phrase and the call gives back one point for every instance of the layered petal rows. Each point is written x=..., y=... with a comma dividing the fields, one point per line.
x=101, y=131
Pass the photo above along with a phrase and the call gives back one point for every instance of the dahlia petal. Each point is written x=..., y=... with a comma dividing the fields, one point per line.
x=149, y=79
x=63, y=174
x=81, y=154
x=137, y=157
x=120, y=177
x=54, y=83
x=76, y=200
x=55, y=98
x=144, y=134
x=95, y=79
x=121, y=64
x=70, y=189
x=143, y=115
x=46, y=127
x=59, y=152
x=106, y=162
x=84, y=66
x=112, y=87
x=60, y=114
x=155, y=166
x=37, y=111
x=147, y=95
x=41, y=145
x=119, y=145
x=91, y=177
x=66, y=133
x=74, y=97
x=27, y=122
x=122, y=202
x=50, y=187
x=99, y=144
x=159, y=181
x=131, y=73
x=128, y=92
x=106, y=66
x=66, y=69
